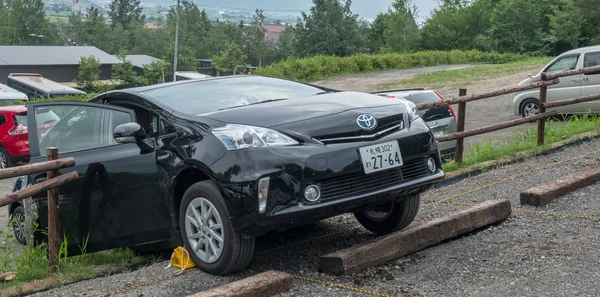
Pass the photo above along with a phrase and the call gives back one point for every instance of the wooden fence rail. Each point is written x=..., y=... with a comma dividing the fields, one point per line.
x=51, y=184
x=463, y=98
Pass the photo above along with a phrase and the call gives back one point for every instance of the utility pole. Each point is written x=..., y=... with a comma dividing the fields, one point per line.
x=176, y=40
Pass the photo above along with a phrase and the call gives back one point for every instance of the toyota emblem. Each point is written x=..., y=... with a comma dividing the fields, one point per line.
x=366, y=122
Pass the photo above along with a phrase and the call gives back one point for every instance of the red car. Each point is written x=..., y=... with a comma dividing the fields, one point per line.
x=14, y=144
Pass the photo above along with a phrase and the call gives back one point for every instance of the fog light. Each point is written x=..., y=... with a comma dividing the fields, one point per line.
x=312, y=193
x=431, y=165
x=263, y=192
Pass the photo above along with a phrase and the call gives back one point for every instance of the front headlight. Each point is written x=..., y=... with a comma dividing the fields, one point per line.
x=413, y=112
x=236, y=137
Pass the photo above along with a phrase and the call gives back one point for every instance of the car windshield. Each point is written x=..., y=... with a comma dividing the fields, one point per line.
x=205, y=96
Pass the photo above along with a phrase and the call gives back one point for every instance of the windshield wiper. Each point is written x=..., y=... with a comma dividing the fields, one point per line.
x=260, y=102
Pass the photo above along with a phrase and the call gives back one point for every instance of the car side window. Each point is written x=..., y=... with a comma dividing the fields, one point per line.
x=78, y=127
x=563, y=64
x=2, y=119
x=160, y=127
x=591, y=60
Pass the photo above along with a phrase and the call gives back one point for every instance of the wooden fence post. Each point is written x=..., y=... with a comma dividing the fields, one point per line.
x=460, y=127
x=53, y=213
x=542, y=122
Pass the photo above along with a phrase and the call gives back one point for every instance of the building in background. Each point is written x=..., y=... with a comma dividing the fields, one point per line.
x=57, y=63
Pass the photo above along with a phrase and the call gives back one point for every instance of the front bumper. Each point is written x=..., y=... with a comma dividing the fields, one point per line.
x=336, y=169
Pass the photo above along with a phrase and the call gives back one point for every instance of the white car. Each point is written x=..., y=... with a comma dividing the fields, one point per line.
x=528, y=103
x=187, y=75
x=8, y=94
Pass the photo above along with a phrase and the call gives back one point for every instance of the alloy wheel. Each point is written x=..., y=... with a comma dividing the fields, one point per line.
x=531, y=109
x=204, y=230
x=18, y=225
x=3, y=160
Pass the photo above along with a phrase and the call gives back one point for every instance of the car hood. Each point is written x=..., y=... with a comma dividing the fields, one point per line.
x=284, y=112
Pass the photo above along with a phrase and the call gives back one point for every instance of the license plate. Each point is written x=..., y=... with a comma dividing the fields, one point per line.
x=381, y=156
x=438, y=133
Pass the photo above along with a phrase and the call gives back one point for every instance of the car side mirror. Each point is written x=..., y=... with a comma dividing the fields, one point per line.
x=129, y=133
x=529, y=75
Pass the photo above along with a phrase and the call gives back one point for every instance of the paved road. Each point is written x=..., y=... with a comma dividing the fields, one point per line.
x=554, y=252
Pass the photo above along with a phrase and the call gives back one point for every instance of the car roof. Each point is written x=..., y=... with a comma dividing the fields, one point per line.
x=583, y=49
x=138, y=90
x=14, y=108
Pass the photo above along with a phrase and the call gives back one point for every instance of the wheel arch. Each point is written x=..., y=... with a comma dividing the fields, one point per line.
x=185, y=176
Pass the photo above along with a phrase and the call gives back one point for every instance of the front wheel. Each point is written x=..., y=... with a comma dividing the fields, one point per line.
x=4, y=158
x=207, y=233
x=530, y=107
x=18, y=225
x=390, y=216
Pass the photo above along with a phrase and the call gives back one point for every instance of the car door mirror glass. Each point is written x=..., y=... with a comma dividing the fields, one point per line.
x=129, y=133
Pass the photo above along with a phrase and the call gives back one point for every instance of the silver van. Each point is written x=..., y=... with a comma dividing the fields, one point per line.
x=528, y=103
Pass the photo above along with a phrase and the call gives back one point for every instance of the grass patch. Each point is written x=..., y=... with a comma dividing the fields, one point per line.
x=524, y=144
x=453, y=77
x=33, y=273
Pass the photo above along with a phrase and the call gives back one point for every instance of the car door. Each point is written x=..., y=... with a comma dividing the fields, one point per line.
x=590, y=84
x=570, y=86
x=116, y=201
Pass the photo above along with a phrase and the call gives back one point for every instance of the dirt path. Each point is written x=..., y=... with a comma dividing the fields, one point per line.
x=479, y=113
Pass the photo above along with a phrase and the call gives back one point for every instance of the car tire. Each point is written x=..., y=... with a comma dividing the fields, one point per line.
x=400, y=213
x=18, y=224
x=4, y=158
x=528, y=106
x=233, y=252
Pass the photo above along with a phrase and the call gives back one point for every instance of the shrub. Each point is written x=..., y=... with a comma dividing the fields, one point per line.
x=319, y=67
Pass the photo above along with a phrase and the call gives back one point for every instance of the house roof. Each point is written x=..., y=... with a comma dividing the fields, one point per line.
x=273, y=31
x=140, y=60
x=51, y=55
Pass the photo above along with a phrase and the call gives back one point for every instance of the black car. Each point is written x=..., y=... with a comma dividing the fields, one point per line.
x=214, y=163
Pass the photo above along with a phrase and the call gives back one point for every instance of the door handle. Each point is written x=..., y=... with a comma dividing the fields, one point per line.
x=575, y=81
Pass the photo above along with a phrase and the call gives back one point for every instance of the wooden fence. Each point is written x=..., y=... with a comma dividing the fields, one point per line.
x=463, y=98
x=51, y=184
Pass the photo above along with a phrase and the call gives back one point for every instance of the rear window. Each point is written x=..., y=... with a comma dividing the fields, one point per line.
x=21, y=119
x=433, y=113
x=42, y=118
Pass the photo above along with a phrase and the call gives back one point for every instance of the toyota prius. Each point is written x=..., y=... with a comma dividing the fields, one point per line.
x=212, y=164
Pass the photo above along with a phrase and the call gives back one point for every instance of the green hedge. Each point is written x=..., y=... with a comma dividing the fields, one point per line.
x=319, y=67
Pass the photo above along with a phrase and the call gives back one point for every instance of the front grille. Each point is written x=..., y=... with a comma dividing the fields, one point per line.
x=357, y=183
x=386, y=127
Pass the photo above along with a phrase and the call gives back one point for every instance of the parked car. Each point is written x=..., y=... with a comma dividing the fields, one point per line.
x=13, y=135
x=528, y=103
x=35, y=86
x=187, y=75
x=8, y=95
x=441, y=120
x=211, y=164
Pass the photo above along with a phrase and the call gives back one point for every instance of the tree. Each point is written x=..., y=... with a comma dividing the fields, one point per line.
x=401, y=31
x=516, y=27
x=376, y=40
x=566, y=23
x=330, y=29
x=157, y=72
x=89, y=73
x=591, y=18
x=230, y=59
x=286, y=43
x=125, y=75
x=127, y=13
x=194, y=27
x=254, y=38
x=27, y=18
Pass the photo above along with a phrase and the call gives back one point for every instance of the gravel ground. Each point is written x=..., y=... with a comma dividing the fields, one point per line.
x=479, y=113
x=531, y=254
